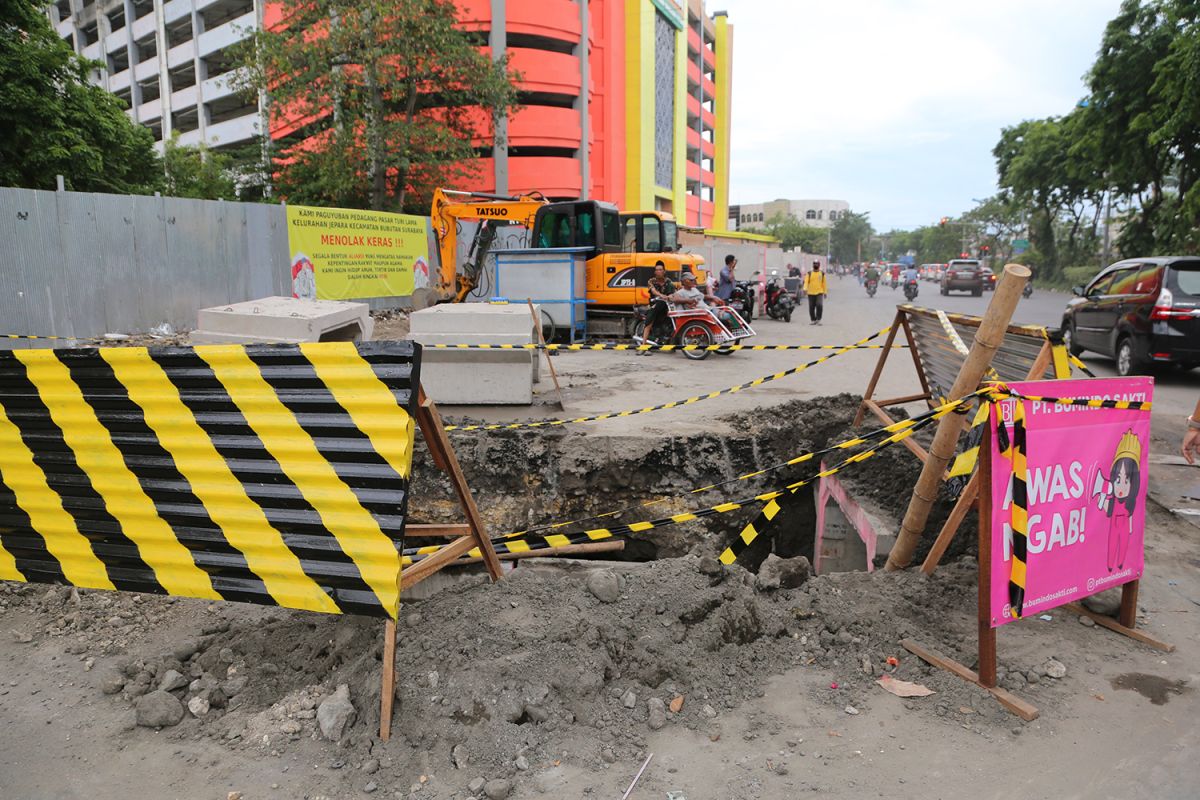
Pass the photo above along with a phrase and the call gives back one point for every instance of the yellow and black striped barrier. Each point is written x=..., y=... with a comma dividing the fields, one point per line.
x=33, y=336
x=553, y=423
x=266, y=474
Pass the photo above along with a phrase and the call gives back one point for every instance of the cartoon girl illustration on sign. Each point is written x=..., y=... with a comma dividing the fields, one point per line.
x=1116, y=495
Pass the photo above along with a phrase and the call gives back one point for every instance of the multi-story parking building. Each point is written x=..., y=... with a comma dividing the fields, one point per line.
x=622, y=100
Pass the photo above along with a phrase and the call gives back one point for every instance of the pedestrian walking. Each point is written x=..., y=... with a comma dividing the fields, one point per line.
x=727, y=280
x=816, y=289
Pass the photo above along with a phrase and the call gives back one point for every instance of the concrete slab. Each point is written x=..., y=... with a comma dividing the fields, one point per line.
x=283, y=320
x=477, y=377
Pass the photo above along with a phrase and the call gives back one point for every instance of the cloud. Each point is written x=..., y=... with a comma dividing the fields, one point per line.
x=875, y=101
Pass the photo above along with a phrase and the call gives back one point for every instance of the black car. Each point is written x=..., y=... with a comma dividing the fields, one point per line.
x=963, y=275
x=1140, y=311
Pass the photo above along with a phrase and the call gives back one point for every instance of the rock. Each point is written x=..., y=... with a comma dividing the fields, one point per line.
x=225, y=656
x=1087, y=621
x=604, y=585
x=852, y=711
x=629, y=699
x=173, y=681
x=476, y=786
x=213, y=696
x=460, y=758
x=186, y=650
x=233, y=796
x=336, y=713
x=714, y=732
x=112, y=682
x=709, y=565
x=1032, y=676
x=522, y=763
x=1107, y=602
x=198, y=706
x=497, y=789
x=234, y=686
x=657, y=710
x=158, y=709
x=782, y=573
x=708, y=712
x=370, y=766
x=1055, y=669
x=370, y=787
x=844, y=637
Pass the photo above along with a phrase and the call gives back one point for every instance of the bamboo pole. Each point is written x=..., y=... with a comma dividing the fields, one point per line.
x=987, y=341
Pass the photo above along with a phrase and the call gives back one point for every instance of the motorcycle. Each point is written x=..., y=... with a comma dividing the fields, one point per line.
x=779, y=302
x=701, y=326
x=872, y=284
x=910, y=290
x=742, y=298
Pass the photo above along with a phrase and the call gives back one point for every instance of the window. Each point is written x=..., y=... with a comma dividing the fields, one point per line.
x=1123, y=281
x=1185, y=277
x=555, y=230
x=629, y=234
x=611, y=221
x=810, y=214
x=1147, y=280
x=652, y=236
x=1101, y=284
x=116, y=20
x=118, y=61
x=147, y=48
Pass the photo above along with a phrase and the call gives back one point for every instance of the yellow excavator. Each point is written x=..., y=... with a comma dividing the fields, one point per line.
x=624, y=248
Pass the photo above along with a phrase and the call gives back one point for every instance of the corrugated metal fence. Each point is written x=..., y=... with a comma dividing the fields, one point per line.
x=83, y=264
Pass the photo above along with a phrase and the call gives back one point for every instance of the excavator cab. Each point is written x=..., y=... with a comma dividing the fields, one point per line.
x=579, y=224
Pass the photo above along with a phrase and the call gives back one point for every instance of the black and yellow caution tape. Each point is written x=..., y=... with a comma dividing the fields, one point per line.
x=1078, y=364
x=849, y=444
x=1000, y=391
x=964, y=463
x=32, y=336
x=552, y=423
x=528, y=543
x=1018, y=508
x=661, y=347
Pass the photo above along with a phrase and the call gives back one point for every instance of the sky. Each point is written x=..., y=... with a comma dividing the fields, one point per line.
x=895, y=105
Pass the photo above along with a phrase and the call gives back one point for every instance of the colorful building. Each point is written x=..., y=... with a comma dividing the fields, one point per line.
x=651, y=131
x=625, y=101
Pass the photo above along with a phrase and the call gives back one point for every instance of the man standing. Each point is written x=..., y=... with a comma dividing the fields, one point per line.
x=815, y=288
x=726, y=282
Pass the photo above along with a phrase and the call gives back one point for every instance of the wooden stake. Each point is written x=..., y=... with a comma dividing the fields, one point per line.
x=987, y=340
x=1115, y=626
x=537, y=326
x=987, y=634
x=883, y=357
x=1016, y=705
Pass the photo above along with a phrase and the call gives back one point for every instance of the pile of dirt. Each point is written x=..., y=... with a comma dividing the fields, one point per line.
x=498, y=682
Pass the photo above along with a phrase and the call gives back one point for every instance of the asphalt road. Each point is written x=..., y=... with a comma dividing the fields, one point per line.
x=597, y=382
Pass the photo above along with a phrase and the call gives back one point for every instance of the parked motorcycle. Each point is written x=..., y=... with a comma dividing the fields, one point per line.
x=779, y=301
x=910, y=290
x=872, y=284
x=742, y=298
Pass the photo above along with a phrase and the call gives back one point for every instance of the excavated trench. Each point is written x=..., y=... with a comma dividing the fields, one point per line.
x=527, y=478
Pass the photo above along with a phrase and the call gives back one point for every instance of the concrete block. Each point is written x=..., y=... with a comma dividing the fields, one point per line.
x=284, y=320
x=477, y=377
x=467, y=318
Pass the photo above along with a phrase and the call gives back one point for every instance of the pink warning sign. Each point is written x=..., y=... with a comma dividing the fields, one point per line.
x=1085, y=487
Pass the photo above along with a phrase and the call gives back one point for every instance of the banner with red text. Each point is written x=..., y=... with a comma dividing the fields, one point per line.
x=342, y=254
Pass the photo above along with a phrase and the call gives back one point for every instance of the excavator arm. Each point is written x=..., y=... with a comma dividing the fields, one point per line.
x=448, y=208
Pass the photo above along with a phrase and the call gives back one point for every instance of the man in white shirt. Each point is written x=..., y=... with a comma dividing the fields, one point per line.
x=691, y=296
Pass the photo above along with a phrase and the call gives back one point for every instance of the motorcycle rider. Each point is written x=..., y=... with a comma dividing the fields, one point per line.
x=910, y=273
x=870, y=274
x=660, y=289
x=895, y=275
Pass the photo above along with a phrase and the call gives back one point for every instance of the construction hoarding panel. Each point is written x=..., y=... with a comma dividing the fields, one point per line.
x=344, y=254
x=265, y=474
x=1084, y=486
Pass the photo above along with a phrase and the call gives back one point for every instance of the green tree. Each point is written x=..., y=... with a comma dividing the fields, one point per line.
x=850, y=237
x=56, y=123
x=387, y=95
x=794, y=234
x=197, y=172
